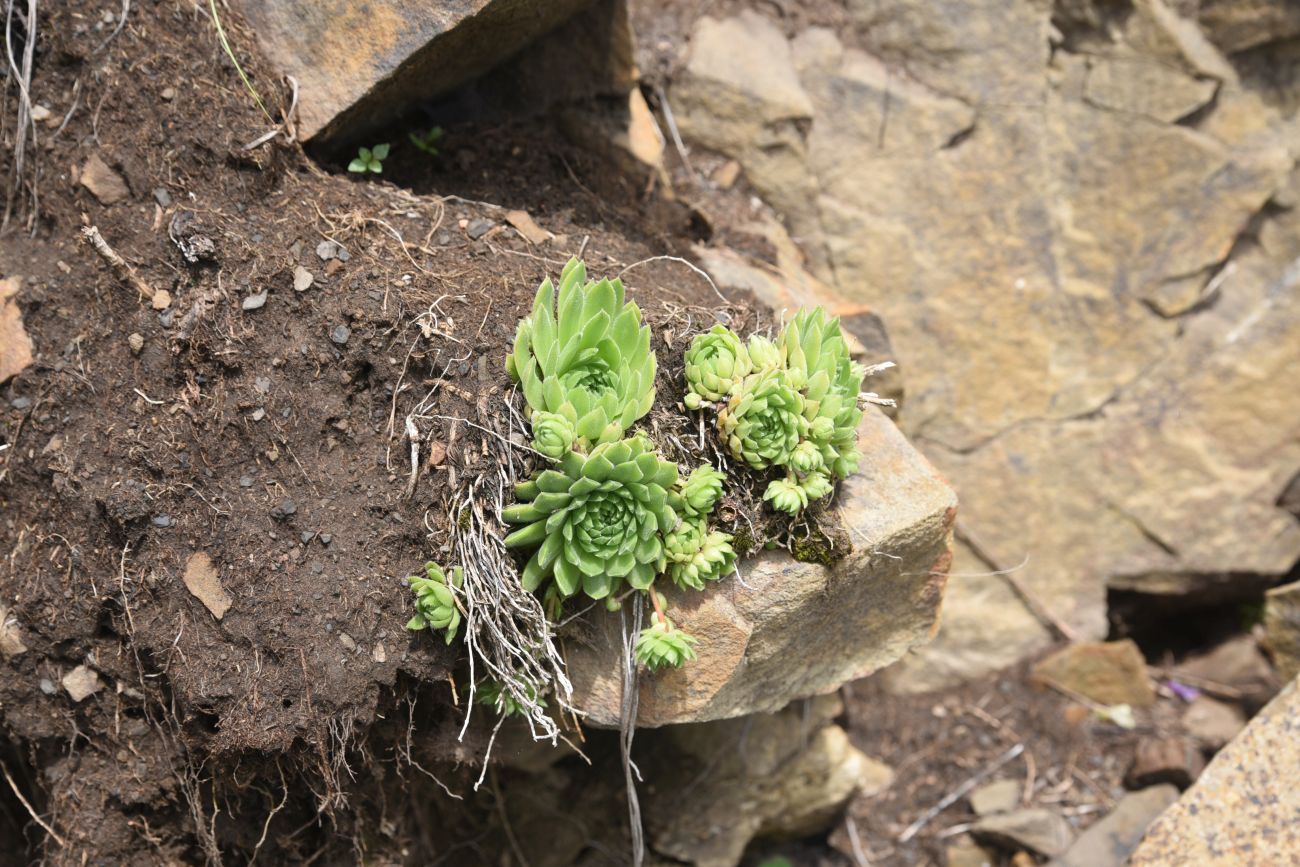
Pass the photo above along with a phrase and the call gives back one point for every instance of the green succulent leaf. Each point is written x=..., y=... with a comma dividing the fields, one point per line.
x=764, y=421
x=492, y=694
x=716, y=362
x=661, y=645
x=597, y=520
x=583, y=353
x=807, y=457
x=435, y=599
x=816, y=485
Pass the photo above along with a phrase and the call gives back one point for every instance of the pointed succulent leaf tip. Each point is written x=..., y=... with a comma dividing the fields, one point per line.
x=716, y=361
x=597, y=520
x=763, y=422
x=763, y=353
x=435, y=602
x=583, y=353
x=785, y=495
x=661, y=645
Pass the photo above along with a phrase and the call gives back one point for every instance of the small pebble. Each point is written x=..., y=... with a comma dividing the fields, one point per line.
x=163, y=521
x=340, y=334
x=246, y=481
x=21, y=402
x=168, y=93
x=306, y=536
x=47, y=686
x=262, y=384
x=329, y=627
x=136, y=342
x=478, y=228
x=162, y=196
x=259, y=414
x=302, y=279
x=317, y=567
x=253, y=302
x=284, y=510
x=346, y=641
x=326, y=538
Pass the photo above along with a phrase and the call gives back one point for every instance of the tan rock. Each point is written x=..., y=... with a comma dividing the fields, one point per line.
x=381, y=54
x=1236, y=25
x=782, y=629
x=1282, y=628
x=1036, y=828
x=1213, y=723
x=82, y=682
x=705, y=800
x=1242, y=811
x=1108, y=673
x=1107, y=442
x=1109, y=842
x=15, y=345
x=1168, y=759
x=999, y=796
x=202, y=580
x=103, y=183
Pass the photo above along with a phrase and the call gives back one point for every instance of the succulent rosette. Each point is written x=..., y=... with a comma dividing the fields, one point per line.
x=696, y=556
x=553, y=434
x=661, y=645
x=701, y=491
x=583, y=354
x=763, y=421
x=816, y=356
x=816, y=485
x=785, y=495
x=716, y=362
x=435, y=603
x=596, y=520
x=763, y=353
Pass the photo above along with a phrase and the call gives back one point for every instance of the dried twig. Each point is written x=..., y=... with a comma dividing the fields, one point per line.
x=120, y=267
x=30, y=811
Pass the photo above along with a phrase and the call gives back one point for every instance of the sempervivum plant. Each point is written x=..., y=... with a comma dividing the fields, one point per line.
x=435, y=602
x=814, y=352
x=596, y=520
x=715, y=362
x=584, y=355
x=764, y=421
x=696, y=555
x=662, y=645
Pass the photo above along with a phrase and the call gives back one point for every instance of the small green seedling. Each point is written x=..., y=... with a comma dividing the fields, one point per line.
x=369, y=159
x=428, y=141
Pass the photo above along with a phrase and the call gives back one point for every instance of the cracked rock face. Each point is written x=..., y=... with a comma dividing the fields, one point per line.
x=783, y=630
x=1081, y=233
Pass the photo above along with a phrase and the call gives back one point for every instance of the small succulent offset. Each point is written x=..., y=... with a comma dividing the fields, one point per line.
x=764, y=420
x=715, y=362
x=369, y=159
x=584, y=355
x=662, y=645
x=435, y=601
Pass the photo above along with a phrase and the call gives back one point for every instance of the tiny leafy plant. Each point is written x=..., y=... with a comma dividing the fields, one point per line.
x=369, y=160
x=426, y=141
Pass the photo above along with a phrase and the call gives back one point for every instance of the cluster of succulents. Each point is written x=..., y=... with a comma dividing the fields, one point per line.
x=791, y=403
x=607, y=515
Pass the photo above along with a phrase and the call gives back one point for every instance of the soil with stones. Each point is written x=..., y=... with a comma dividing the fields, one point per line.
x=207, y=504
